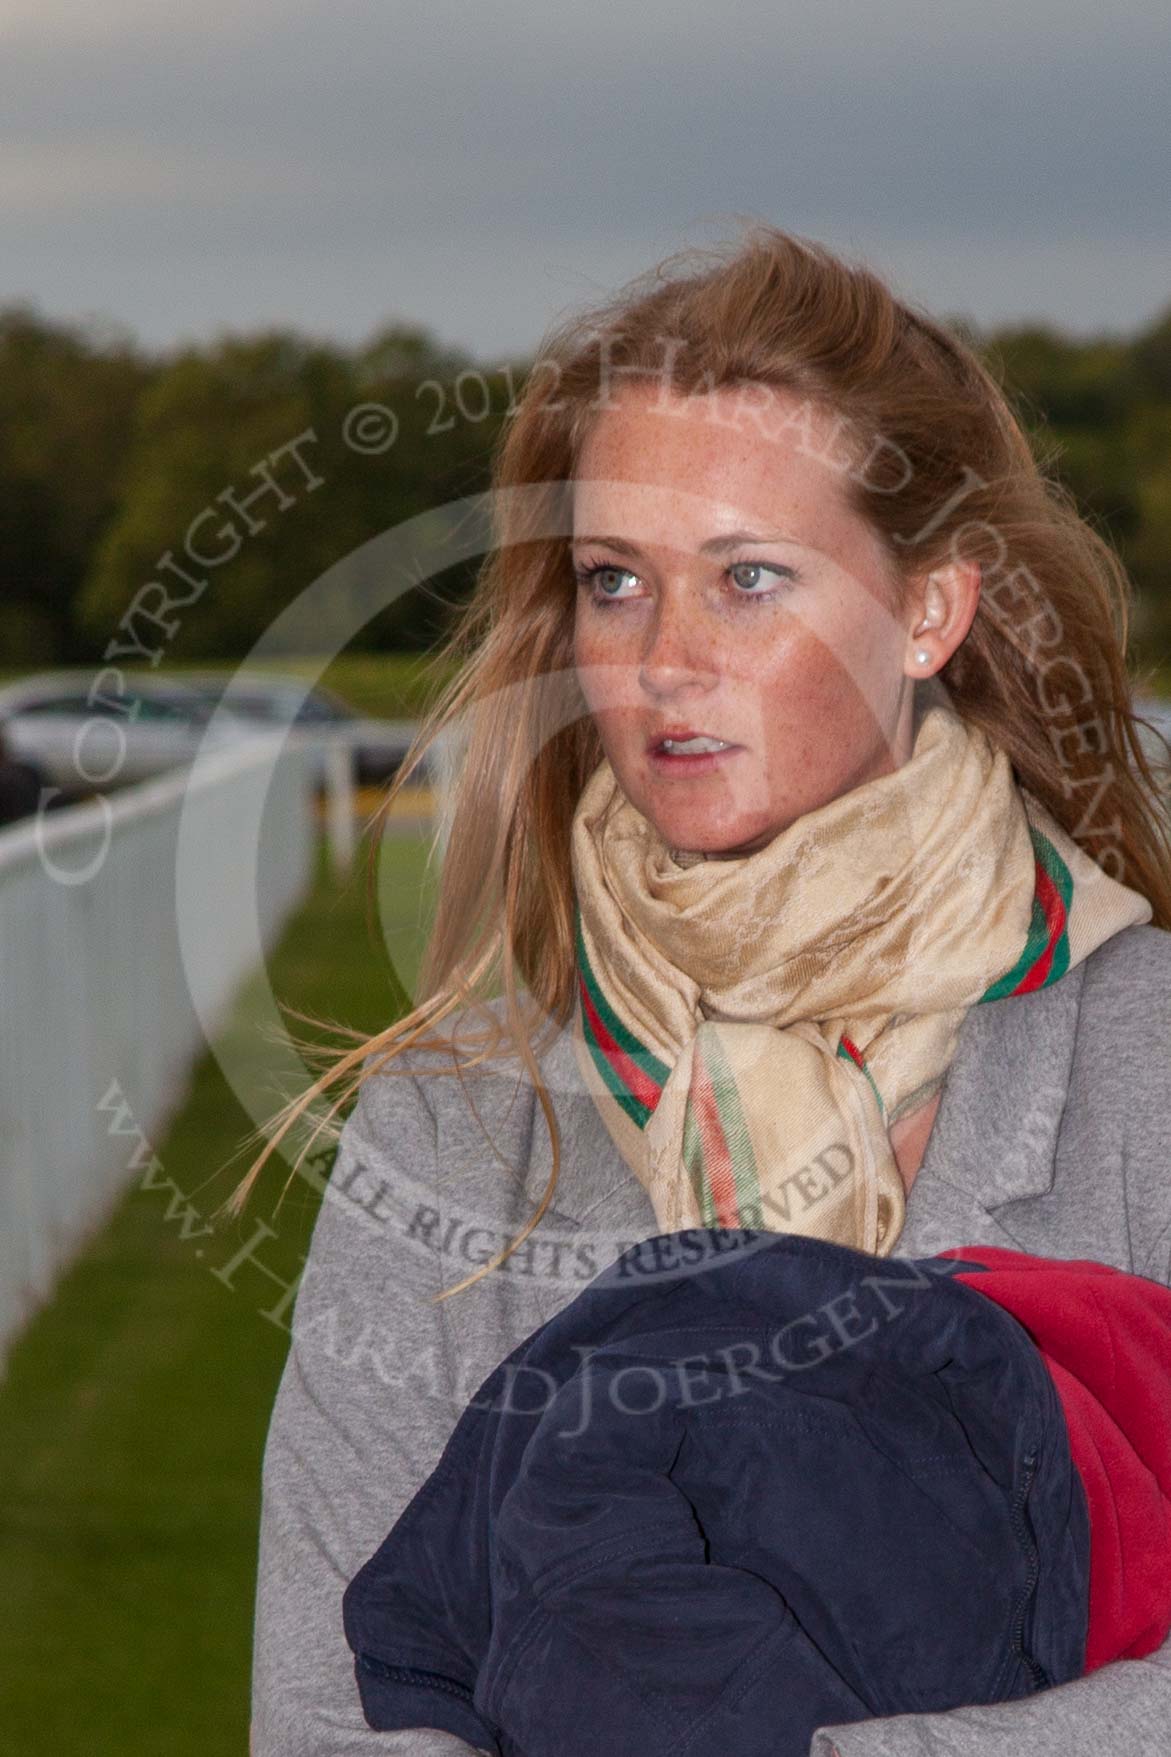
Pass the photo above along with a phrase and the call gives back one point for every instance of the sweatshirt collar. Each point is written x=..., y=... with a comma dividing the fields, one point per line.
x=994, y=1138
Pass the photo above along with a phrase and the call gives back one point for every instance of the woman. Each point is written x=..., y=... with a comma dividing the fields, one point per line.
x=888, y=964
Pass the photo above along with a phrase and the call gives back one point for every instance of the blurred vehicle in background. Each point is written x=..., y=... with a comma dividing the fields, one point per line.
x=83, y=739
x=20, y=786
x=276, y=699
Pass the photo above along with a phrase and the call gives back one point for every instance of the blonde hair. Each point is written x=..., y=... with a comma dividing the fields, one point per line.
x=947, y=461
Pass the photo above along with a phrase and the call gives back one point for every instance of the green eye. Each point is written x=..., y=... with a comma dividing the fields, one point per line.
x=759, y=567
x=589, y=576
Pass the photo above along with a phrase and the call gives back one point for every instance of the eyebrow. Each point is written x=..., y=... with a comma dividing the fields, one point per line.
x=713, y=546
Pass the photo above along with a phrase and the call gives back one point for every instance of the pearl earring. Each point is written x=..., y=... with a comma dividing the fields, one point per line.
x=922, y=656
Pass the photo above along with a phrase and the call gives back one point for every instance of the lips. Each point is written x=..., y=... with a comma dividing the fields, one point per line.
x=680, y=735
x=691, y=763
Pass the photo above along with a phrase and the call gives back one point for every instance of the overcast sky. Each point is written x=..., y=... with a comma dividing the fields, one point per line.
x=478, y=166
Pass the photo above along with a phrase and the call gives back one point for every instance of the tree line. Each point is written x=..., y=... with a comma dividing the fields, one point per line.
x=270, y=455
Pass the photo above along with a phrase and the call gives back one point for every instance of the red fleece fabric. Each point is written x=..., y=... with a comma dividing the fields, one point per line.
x=1105, y=1336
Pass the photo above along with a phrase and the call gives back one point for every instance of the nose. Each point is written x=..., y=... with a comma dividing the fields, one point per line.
x=679, y=649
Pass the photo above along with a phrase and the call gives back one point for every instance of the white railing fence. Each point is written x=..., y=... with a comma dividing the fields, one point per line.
x=96, y=989
x=445, y=761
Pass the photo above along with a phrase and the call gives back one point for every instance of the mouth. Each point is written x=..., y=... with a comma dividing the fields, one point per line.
x=686, y=741
x=683, y=750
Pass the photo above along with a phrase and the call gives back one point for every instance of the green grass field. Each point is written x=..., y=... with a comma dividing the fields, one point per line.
x=133, y=1415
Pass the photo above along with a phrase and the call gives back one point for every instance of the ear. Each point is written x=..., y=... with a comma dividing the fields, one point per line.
x=941, y=606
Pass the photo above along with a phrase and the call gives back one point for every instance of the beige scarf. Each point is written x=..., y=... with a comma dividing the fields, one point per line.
x=751, y=1028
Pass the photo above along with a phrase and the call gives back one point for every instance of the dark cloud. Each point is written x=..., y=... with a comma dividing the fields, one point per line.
x=479, y=168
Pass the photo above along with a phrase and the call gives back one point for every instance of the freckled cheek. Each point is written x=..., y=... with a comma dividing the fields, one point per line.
x=589, y=650
x=607, y=675
x=599, y=639
x=786, y=674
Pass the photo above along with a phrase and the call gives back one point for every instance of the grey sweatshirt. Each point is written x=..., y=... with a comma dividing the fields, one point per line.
x=1053, y=1136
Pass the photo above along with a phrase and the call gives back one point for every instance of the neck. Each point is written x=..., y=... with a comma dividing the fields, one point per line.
x=909, y=1137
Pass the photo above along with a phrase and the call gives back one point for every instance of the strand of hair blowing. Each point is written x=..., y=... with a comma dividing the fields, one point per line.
x=948, y=475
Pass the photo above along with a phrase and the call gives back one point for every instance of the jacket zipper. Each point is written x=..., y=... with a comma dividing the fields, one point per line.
x=409, y=1674
x=1039, y=1675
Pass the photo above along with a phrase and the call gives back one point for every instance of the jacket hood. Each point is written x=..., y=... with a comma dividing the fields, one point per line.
x=1105, y=1338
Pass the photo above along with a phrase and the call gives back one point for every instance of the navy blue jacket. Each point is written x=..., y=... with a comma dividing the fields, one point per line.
x=744, y=1485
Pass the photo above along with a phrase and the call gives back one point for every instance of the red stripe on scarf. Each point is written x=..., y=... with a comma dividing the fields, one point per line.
x=639, y=1083
x=1054, y=912
x=717, y=1160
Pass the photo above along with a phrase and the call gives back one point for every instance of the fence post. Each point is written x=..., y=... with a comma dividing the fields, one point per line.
x=340, y=804
x=446, y=756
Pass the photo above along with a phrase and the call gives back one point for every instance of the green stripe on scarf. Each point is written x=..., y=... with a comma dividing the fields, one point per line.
x=725, y=1179
x=1048, y=935
x=614, y=1060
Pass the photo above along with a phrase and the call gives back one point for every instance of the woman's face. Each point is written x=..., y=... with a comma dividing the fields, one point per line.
x=782, y=644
